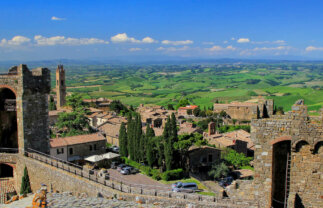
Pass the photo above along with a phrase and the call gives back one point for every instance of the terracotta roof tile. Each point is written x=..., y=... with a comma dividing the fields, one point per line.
x=79, y=139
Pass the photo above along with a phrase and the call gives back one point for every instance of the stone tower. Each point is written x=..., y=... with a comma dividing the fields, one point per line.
x=60, y=86
x=24, y=109
x=288, y=159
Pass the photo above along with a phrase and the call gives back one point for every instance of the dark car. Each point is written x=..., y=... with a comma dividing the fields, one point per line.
x=128, y=170
x=115, y=149
x=120, y=167
x=184, y=187
x=225, y=181
x=114, y=164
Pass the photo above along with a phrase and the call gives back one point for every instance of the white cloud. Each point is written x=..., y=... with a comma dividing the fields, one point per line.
x=173, y=49
x=314, y=48
x=57, y=18
x=225, y=42
x=61, y=40
x=243, y=40
x=219, y=48
x=149, y=40
x=123, y=38
x=208, y=43
x=15, y=41
x=279, y=42
x=135, y=49
x=232, y=38
x=177, y=42
x=278, y=48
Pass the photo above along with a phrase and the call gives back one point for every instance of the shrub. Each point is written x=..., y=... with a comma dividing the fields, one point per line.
x=172, y=174
x=25, y=184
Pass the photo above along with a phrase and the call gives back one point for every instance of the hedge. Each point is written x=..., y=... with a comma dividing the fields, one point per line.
x=172, y=174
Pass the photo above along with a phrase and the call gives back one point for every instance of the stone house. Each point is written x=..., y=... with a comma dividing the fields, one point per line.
x=238, y=140
x=182, y=111
x=77, y=147
x=156, y=116
x=246, y=111
x=111, y=132
x=188, y=128
x=202, y=158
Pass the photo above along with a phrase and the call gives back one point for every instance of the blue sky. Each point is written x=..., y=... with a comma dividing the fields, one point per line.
x=38, y=30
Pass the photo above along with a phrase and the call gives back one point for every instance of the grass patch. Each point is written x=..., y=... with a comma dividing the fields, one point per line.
x=247, y=167
x=206, y=193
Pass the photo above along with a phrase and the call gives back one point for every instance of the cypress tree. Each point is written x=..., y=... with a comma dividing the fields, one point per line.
x=160, y=150
x=148, y=147
x=123, y=140
x=168, y=149
x=150, y=153
x=130, y=138
x=25, y=183
x=173, y=128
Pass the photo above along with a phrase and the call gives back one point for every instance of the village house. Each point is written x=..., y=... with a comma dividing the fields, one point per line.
x=110, y=129
x=77, y=147
x=246, y=111
x=156, y=116
x=202, y=158
x=238, y=140
x=182, y=111
x=101, y=103
x=188, y=128
x=53, y=115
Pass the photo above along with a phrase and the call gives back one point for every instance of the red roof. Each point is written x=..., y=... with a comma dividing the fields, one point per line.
x=61, y=142
x=192, y=107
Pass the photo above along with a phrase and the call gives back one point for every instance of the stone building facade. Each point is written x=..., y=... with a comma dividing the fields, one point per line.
x=77, y=147
x=25, y=93
x=60, y=86
x=288, y=159
x=246, y=111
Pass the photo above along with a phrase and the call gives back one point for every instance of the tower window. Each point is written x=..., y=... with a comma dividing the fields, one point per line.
x=62, y=82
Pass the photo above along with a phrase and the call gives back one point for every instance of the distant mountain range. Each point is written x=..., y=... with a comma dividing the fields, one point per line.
x=4, y=65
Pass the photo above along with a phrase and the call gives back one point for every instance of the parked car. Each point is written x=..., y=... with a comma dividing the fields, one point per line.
x=128, y=170
x=120, y=167
x=114, y=164
x=184, y=187
x=226, y=181
x=115, y=149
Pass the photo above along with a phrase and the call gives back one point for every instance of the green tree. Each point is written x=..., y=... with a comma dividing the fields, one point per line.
x=236, y=159
x=75, y=101
x=196, y=111
x=150, y=153
x=123, y=140
x=189, y=112
x=168, y=145
x=170, y=107
x=52, y=105
x=25, y=183
x=182, y=103
x=73, y=123
x=173, y=128
x=219, y=170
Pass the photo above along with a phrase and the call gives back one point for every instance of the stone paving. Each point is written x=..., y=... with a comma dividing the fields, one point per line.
x=67, y=201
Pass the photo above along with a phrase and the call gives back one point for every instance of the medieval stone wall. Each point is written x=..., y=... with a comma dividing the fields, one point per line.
x=305, y=173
